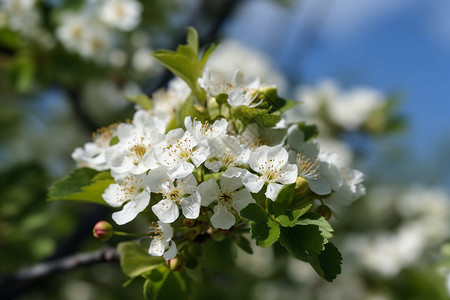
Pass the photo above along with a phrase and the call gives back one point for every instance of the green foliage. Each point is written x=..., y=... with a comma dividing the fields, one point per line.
x=142, y=100
x=325, y=228
x=188, y=109
x=290, y=218
x=136, y=261
x=185, y=63
x=243, y=243
x=310, y=131
x=282, y=202
x=82, y=184
x=164, y=284
x=264, y=230
x=328, y=263
x=302, y=241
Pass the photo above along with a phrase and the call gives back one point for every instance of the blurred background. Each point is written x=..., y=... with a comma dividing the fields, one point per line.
x=372, y=74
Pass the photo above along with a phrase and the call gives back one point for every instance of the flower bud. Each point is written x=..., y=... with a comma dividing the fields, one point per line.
x=324, y=211
x=175, y=264
x=102, y=231
x=301, y=185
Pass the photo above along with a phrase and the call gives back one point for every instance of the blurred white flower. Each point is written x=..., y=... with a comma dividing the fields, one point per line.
x=162, y=243
x=143, y=61
x=121, y=14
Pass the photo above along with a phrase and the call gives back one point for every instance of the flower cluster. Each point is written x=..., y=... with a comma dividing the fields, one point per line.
x=209, y=156
x=167, y=169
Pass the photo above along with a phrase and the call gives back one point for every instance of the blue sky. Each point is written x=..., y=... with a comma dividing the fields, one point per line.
x=395, y=46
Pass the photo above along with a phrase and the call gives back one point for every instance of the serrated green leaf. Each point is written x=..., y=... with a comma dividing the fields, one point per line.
x=164, y=284
x=207, y=54
x=192, y=39
x=302, y=241
x=254, y=212
x=283, y=200
x=311, y=218
x=135, y=261
x=142, y=100
x=185, y=63
x=81, y=185
x=310, y=131
x=290, y=219
x=328, y=263
x=263, y=229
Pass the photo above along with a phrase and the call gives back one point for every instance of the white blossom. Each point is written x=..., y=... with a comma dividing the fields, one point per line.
x=228, y=197
x=135, y=150
x=227, y=152
x=92, y=155
x=271, y=165
x=162, y=244
x=122, y=14
x=131, y=190
x=174, y=192
x=178, y=150
x=204, y=132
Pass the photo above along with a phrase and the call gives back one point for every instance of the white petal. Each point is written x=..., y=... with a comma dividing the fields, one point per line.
x=234, y=172
x=112, y=195
x=127, y=214
x=200, y=155
x=181, y=169
x=213, y=166
x=188, y=183
x=172, y=252
x=319, y=186
x=209, y=191
x=191, y=206
x=156, y=178
x=166, y=229
x=289, y=174
x=166, y=211
x=252, y=182
x=156, y=247
x=241, y=199
x=229, y=184
x=222, y=217
x=272, y=190
x=141, y=201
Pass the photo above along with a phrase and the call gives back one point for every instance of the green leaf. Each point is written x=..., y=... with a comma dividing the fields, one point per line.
x=328, y=263
x=263, y=229
x=254, y=212
x=310, y=131
x=302, y=241
x=184, y=63
x=164, y=284
x=142, y=100
x=82, y=184
x=283, y=200
x=135, y=261
x=290, y=219
x=188, y=109
x=207, y=54
x=311, y=218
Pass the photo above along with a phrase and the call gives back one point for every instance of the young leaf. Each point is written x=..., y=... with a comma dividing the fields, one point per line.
x=283, y=200
x=185, y=63
x=164, y=284
x=219, y=256
x=142, y=100
x=264, y=230
x=290, y=219
x=243, y=243
x=83, y=184
x=135, y=261
x=328, y=263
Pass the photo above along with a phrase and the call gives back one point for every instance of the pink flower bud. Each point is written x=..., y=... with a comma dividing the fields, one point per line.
x=102, y=231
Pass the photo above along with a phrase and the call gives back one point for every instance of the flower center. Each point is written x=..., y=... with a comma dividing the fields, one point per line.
x=138, y=151
x=228, y=158
x=307, y=167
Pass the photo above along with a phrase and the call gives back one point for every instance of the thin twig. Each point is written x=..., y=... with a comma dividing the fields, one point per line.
x=57, y=266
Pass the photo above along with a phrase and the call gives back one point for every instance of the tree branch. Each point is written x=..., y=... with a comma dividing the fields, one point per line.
x=49, y=268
